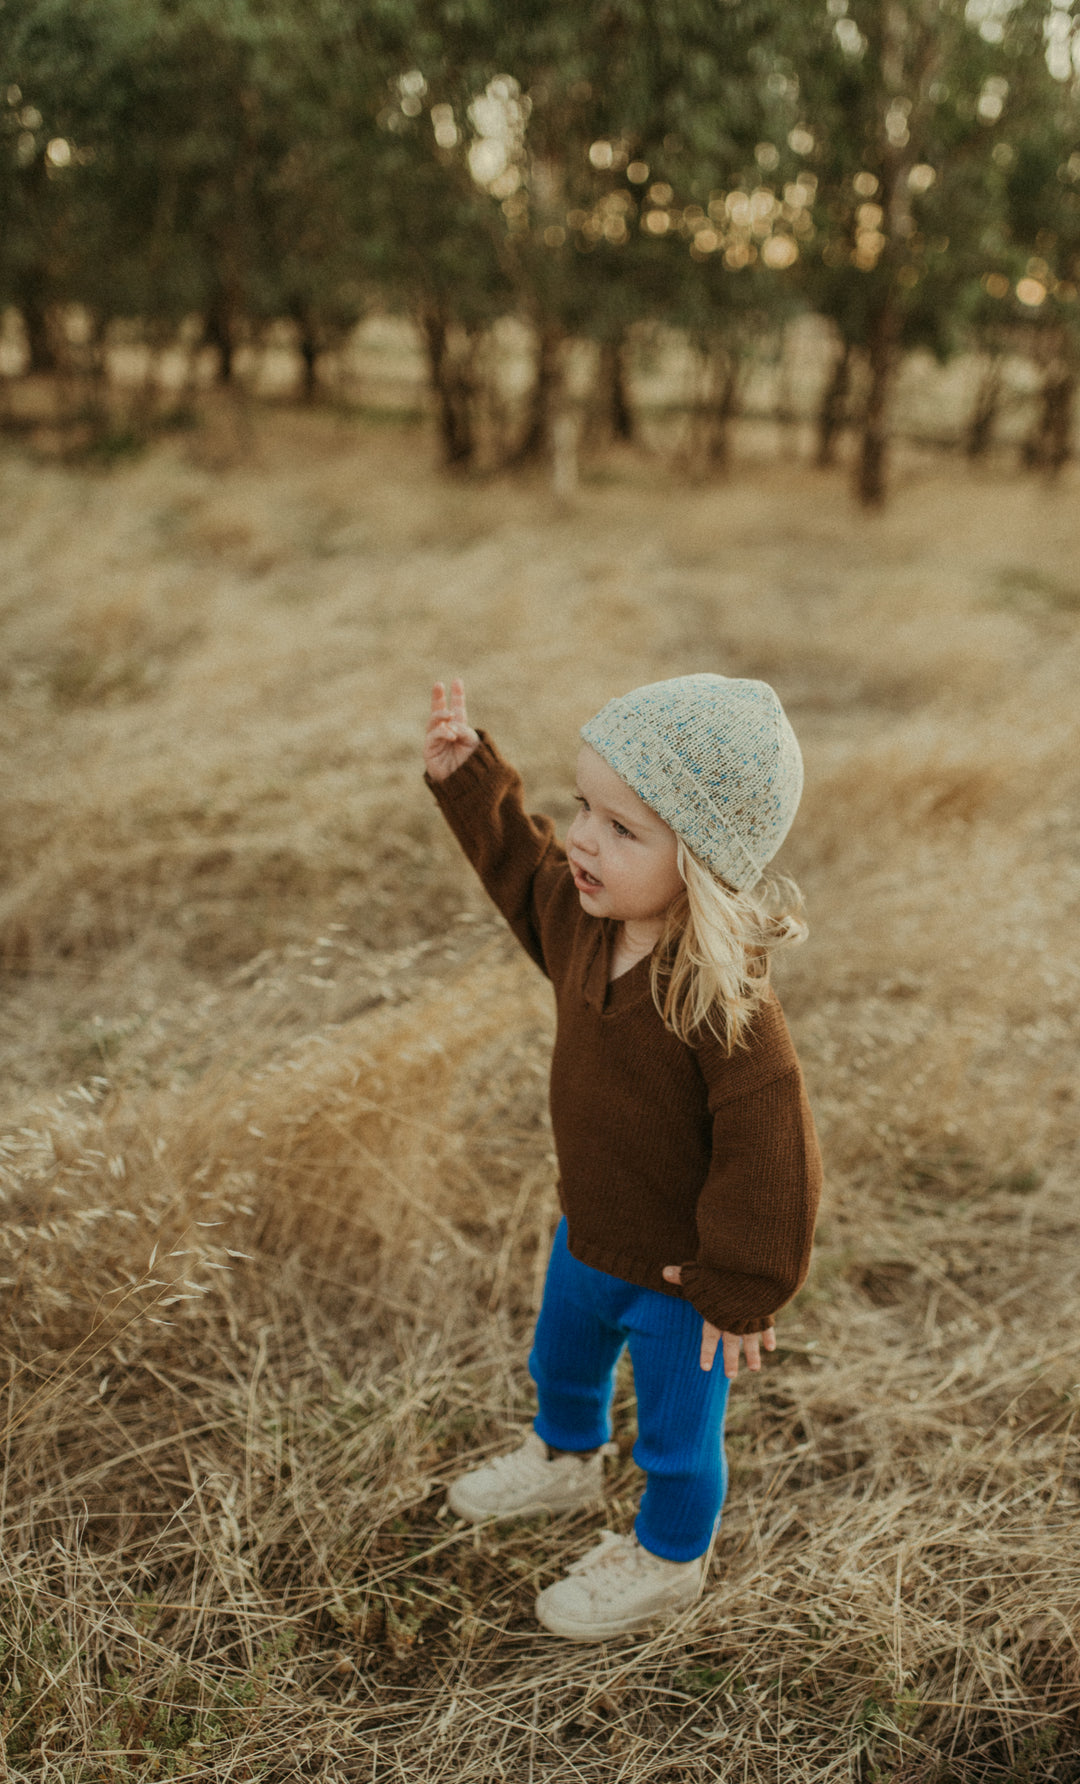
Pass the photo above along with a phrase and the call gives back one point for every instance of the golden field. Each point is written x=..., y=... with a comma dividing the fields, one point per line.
x=277, y=1177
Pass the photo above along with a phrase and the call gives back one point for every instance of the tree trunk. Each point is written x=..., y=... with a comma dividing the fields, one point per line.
x=614, y=412
x=451, y=380
x=40, y=337
x=536, y=440
x=984, y=414
x=725, y=375
x=881, y=358
x=93, y=370
x=565, y=433
x=786, y=417
x=832, y=415
x=1060, y=398
x=1049, y=444
x=97, y=365
x=219, y=332
x=33, y=289
x=713, y=407
x=309, y=355
x=716, y=407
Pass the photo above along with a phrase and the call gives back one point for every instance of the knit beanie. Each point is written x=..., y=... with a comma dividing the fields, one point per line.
x=715, y=758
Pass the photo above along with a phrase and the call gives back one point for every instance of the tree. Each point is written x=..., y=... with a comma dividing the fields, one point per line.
x=636, y=114
x=1041, y=237
x=904, y=102
x=64, y=93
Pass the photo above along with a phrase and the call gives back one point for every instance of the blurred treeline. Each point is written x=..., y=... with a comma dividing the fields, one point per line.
x=197, y=170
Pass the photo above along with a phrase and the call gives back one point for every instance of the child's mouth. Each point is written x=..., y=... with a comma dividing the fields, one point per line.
x=585, y=882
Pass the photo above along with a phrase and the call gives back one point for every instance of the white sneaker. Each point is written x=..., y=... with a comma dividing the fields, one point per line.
x=527, y=1481
x=616, y=1588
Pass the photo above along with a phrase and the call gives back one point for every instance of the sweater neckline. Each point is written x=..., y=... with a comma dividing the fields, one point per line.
x=611, y=996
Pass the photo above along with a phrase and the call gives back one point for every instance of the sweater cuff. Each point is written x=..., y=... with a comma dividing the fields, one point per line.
x=717, y=1298
x=460, y=788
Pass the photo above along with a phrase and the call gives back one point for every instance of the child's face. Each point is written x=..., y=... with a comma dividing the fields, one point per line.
x=624, y=857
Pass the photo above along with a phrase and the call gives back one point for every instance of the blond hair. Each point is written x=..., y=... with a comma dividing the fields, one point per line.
x=711, y=967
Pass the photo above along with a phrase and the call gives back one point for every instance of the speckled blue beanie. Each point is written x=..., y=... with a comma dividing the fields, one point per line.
x=715, y=758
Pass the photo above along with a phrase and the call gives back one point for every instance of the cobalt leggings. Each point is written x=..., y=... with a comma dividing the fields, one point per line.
x=586, y=1319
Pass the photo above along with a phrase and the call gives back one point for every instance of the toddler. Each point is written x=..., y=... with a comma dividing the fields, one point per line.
x=689, y=1168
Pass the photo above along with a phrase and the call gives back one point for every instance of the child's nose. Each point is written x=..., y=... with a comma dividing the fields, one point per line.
x=579, y=834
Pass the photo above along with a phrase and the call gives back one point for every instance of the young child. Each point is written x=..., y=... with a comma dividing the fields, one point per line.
x=689, y=1167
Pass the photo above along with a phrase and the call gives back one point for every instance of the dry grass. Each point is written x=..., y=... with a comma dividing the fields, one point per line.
x=277, y=1177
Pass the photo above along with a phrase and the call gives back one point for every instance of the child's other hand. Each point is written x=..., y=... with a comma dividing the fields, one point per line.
x=450, y=739
x=752, y=1343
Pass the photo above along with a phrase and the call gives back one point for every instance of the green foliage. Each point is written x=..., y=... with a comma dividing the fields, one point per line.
x=910, y=172
x=703, y=1681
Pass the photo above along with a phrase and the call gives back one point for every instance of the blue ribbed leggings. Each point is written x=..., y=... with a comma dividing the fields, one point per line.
x=586, y=1319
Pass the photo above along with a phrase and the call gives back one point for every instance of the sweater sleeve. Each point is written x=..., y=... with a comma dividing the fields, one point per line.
x=522, y=866
x=756, y=1211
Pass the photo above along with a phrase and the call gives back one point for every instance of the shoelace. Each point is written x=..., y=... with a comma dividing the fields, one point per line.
x=522, y=1465
x=517, y=1468
x=611, y=1550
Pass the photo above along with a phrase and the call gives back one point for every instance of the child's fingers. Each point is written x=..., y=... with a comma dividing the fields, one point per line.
x=751, y=1343
x=449, y=739
x=440, y=712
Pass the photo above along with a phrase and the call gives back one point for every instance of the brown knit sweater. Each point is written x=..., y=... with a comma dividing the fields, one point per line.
x=668, y=1154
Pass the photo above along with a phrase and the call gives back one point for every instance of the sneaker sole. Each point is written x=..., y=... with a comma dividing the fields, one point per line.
x=474, y=1515
x=602, y=1632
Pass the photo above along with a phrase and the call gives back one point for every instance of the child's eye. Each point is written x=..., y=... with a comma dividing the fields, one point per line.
x=582, y=801
x=620, y=829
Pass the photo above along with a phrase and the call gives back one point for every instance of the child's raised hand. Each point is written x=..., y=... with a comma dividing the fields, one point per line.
x=450, y=739
x=752, y=1343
